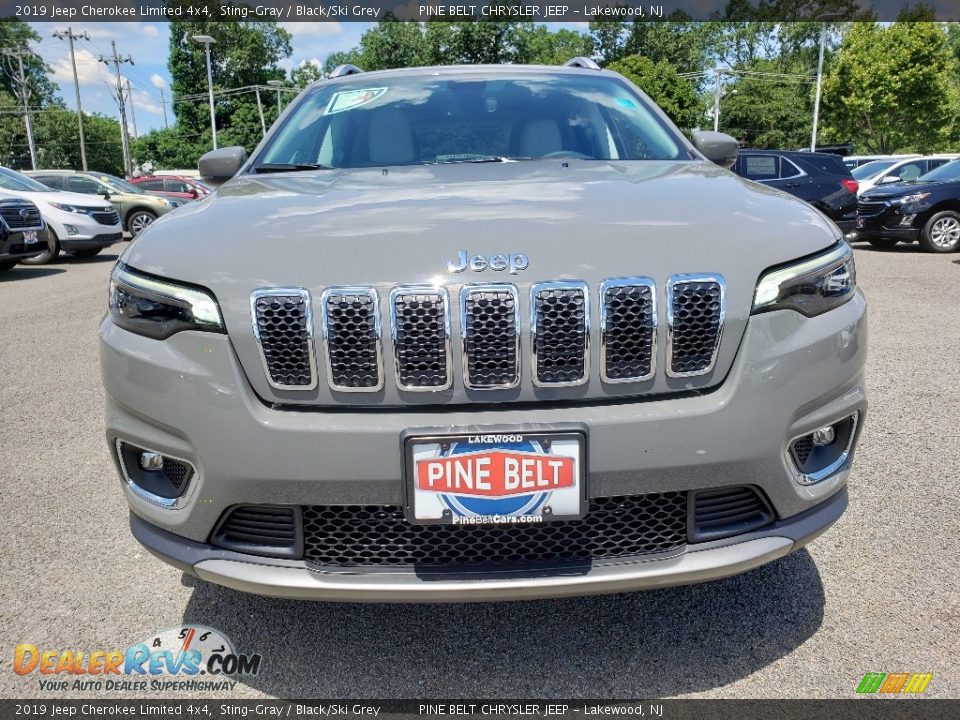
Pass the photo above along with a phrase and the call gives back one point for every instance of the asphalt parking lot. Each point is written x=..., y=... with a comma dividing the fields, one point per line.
x=877, y=593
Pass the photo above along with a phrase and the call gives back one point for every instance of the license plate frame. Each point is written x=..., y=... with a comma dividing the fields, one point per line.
x=503, y=446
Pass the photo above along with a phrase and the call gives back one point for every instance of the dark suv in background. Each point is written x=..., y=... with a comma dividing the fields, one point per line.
x=819, y=178
x=925, y=210
x=22, y=231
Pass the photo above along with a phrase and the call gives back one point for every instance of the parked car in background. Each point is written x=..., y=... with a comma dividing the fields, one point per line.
x=819, y=178
x=903, y=170
x=137, y=208
x=172, y=186
x=22, y=232
x=925, y=210
x=78, y=224
x=855, y=161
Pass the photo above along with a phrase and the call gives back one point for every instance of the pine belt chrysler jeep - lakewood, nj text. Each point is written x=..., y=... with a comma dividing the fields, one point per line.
x=478, y=333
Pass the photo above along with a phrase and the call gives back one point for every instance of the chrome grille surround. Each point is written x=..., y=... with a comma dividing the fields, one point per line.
x=366, y=357
x=679, y=289
x=401, y=299
x=305, y=354
x=578, y=353
x=509, y=341
x=610, y=327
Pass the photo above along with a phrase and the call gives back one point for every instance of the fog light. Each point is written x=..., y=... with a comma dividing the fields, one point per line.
x=71, y=229
x=907, y=220
x=824, y=436
x=153, y=461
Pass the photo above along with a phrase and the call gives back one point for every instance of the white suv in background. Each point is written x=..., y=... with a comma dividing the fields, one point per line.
x=79, y=224
x=899, y=171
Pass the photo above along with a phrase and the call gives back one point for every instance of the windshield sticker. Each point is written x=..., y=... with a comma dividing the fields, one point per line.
x=351, y=99
x=624, y=102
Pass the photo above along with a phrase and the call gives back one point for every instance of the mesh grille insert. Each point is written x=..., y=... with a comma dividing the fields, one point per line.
x=284, y=329
x=696, y=325
x=490, y=337
x=351, y=328
x=559, y=334
x=380, y=535
x=421, y=338
x=629, y=331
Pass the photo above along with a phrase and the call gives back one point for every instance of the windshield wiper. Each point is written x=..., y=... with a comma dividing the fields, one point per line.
x=288, y=167
x=483, y=159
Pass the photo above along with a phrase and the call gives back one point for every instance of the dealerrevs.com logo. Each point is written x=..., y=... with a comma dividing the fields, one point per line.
x=188, y=658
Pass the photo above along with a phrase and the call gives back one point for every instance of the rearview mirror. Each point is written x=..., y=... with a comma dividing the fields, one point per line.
x=717, y=147
x=218, y=166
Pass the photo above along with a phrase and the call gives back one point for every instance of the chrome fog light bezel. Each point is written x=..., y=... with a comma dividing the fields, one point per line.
x=838, y=465
x=158, y=500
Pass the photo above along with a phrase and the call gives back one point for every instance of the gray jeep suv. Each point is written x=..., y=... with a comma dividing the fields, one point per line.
x=479, y=333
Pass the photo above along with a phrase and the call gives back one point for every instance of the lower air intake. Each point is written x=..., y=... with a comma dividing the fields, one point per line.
x=728, y=511
x=266, y=530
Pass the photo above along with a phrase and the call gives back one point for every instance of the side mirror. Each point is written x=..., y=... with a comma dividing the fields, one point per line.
x=193, y=193
x=105, y=193
x=218, y=166
x=717, y=147
x=887, y=179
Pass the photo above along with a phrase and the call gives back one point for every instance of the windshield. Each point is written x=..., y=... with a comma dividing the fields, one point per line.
x=950, y=171
x=12, y=180
x=872, y=169
x=120, y=184
x=429, y=119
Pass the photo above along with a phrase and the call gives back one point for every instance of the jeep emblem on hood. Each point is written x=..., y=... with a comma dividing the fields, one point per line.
x=514, y=262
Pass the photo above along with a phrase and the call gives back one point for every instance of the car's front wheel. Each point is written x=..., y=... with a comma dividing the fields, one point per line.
x=883, y=243
x=941, y=234
x=45, y=258
x=138, y=221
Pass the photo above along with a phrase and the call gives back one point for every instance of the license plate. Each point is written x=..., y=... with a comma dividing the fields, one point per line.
x=495, y=478
x=30, y=237
x=859, y=223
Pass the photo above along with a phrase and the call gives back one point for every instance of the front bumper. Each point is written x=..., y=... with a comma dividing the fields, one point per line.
x=94, y=241
x=294, y=579
x=13, y=247
x=188, y=397
x=888, y=224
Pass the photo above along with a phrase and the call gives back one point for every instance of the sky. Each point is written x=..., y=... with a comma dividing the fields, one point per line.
x=148, y=43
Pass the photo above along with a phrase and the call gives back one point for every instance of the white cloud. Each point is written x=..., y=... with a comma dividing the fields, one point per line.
x=143, y=102
x=89, y=70
x=312, y=29
x=158, y=82
x=150, y=30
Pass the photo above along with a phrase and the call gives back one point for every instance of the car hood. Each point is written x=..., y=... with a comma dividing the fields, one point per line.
x=386, y=227
x=66, y=198
x=907, y=187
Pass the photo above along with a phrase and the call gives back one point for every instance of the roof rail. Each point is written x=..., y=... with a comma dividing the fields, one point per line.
x=341, y=70
x=582, y=62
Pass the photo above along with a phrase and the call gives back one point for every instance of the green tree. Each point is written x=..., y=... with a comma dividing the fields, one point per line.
x=684, y=44
x=889, y=89
x=16, y=35
x=674, y=94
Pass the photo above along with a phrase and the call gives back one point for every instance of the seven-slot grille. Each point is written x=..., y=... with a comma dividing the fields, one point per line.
x=283, y=324
x=559, y=333
x=351, y=331
x=695, y=311
x=20, y=215
x=490, y=326
x=420, y=323
x=490, y=334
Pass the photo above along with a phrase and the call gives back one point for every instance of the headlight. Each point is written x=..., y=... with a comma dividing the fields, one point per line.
x=909, y=199
x=159, y=309
x=810, y=287
x=68, y=208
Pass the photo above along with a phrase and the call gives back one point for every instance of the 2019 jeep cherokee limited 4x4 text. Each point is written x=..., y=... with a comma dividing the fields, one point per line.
x=477, y=333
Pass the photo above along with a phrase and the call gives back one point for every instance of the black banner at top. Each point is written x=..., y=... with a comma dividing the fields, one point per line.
x=511, y=10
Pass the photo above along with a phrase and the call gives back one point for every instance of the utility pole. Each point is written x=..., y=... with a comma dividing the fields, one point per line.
x=263, y=123
x=716, y=100
x=25, y=96
x=207, y=41
x=124, y=137
x=133, y=110
x=70, y=36
x=163, y=104
x=816, y=102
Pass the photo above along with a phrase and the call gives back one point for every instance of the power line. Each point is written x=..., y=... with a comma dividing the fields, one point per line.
x=24, y=92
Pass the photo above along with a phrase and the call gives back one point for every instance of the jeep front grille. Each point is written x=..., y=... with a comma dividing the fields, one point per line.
x=420, y=324
x=490, y=327
x=422, y=355
x=695, y=313
x=283, y=325
x=560, y=333
x=351, y=335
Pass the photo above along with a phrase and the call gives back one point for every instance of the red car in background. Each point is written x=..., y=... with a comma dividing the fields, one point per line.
x=175, y=186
